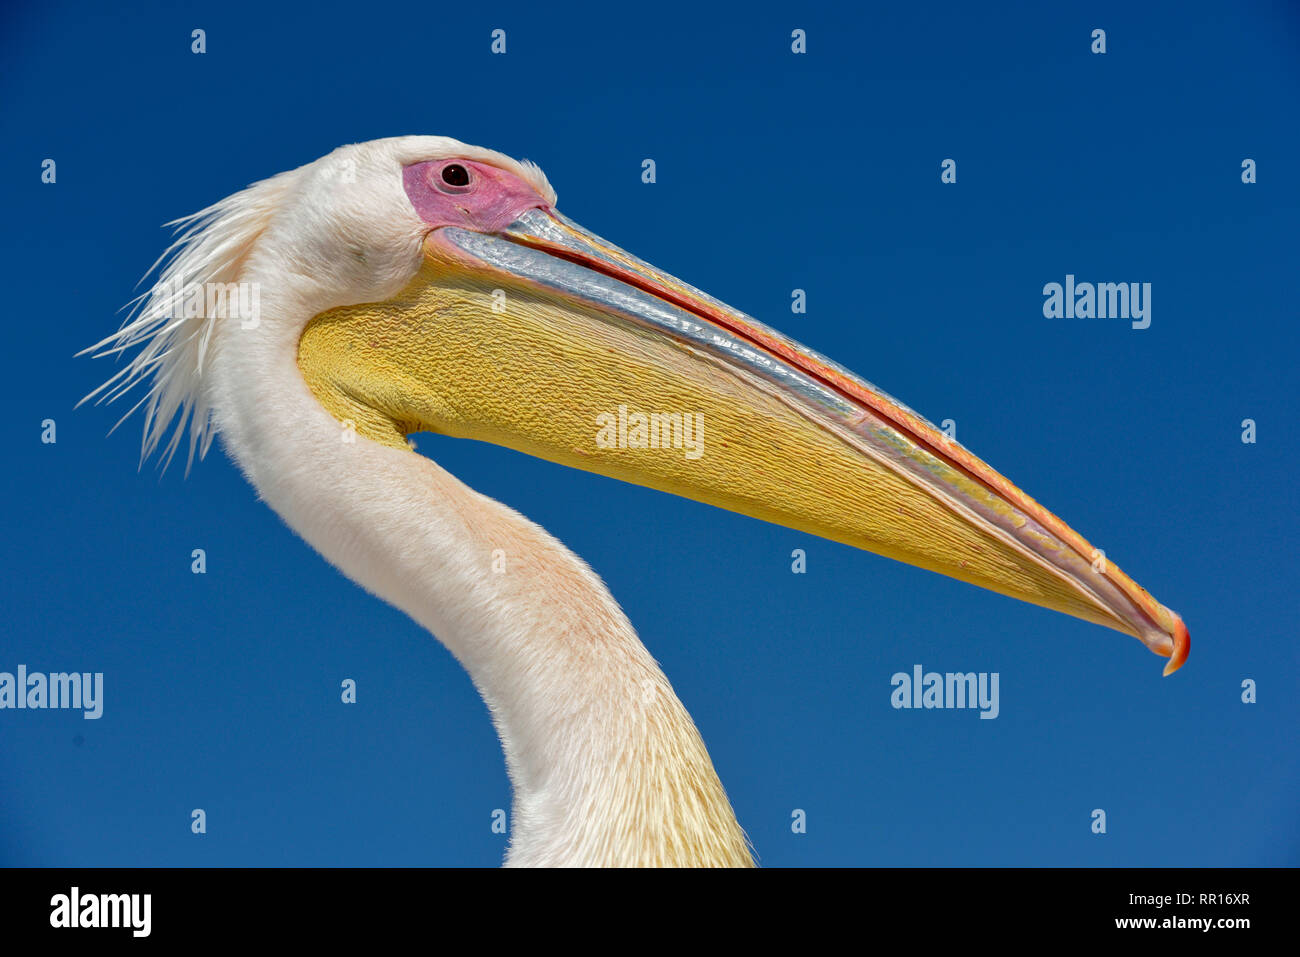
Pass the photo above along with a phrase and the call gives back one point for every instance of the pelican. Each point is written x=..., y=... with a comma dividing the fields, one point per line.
x=420, y=284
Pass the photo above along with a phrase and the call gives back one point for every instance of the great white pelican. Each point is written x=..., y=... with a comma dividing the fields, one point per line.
x=318, y=318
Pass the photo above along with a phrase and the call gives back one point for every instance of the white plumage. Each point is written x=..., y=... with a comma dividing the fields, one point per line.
x=606, y=765
x=373, y=268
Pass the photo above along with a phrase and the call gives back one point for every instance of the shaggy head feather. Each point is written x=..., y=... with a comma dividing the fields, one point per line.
x=210, y=248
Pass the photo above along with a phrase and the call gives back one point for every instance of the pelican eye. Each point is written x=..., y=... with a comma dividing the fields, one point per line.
x=454, y=174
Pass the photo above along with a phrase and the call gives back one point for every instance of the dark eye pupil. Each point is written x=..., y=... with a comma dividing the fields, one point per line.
x=455, y=175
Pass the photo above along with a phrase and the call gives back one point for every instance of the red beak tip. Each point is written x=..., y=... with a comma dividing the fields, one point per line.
x=1182, y=645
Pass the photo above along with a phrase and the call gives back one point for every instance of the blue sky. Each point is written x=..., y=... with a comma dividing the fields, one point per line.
x=776, y=171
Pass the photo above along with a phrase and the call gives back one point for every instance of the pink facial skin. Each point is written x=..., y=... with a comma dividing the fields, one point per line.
x=488, y=203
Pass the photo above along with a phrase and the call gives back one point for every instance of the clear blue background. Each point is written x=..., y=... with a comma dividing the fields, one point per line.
x=775, y=171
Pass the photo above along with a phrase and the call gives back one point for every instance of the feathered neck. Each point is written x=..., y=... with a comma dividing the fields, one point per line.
x=606, y=765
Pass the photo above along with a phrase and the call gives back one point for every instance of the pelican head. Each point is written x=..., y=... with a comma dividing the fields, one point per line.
x=419, y=284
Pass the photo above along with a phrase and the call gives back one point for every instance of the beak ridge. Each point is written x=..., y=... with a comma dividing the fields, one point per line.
x=585, y=328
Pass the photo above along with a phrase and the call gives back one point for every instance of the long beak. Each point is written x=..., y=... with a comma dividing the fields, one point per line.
x=547, y=339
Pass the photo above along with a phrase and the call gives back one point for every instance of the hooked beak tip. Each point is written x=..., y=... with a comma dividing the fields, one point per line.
x=1182, y=645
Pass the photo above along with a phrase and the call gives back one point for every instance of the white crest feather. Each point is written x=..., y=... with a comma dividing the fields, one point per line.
x=210, y=247
x=209, y=250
